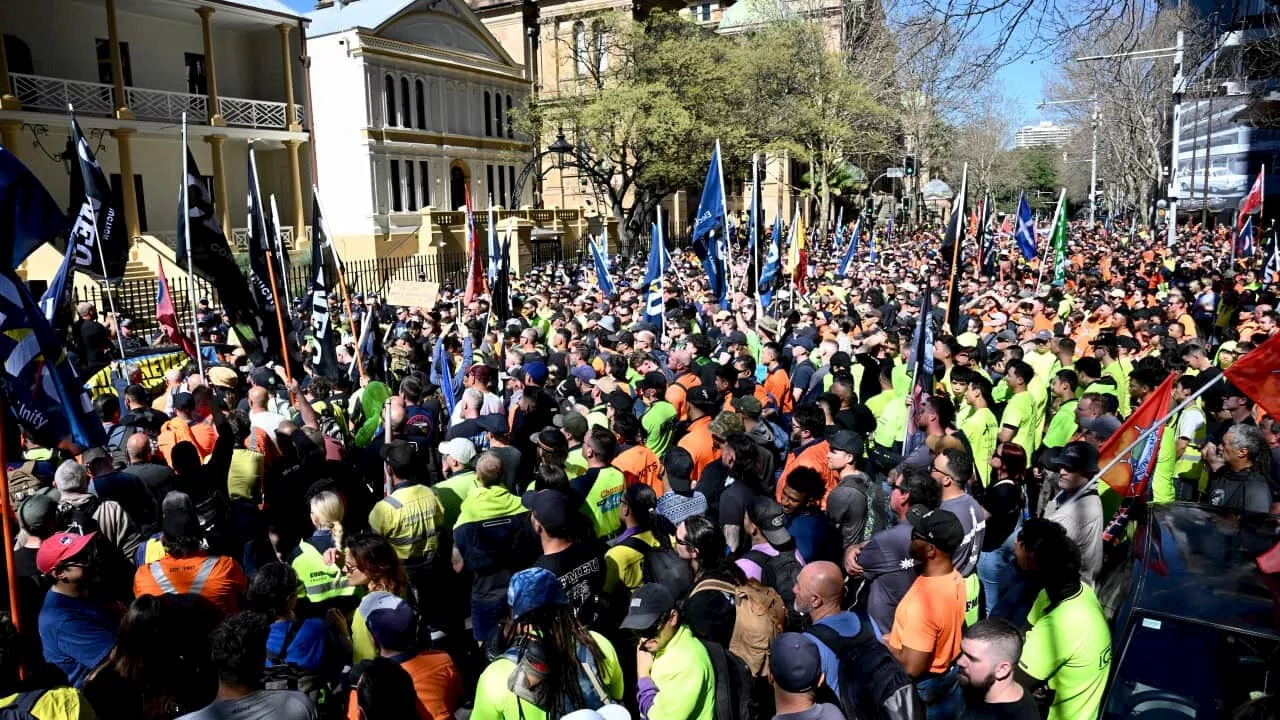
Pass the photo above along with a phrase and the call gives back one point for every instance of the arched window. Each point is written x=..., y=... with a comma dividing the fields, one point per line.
x=511, y=127
x=497, y=113
x=406, y=104
x=488, y=121
x=389, y=93
x=421, y=90
x=580, y=48
x=599, y=50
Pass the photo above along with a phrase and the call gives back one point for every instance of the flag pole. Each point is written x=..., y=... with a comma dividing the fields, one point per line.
x=342, y=281
x=186, y=231
x=271, y=278
x=6, y=524
x=1049, y=243
x=728, y=241
x=662, y=275
x=955, y=248
x=284, y=272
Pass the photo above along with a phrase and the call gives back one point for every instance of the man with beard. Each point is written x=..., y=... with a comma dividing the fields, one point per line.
x=988, y=655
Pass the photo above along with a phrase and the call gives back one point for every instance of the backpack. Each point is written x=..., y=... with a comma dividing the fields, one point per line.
x=779, y=572
x=663, y=566
x=284, y=675
x=79, y=517
x=23, y=706
x=23, y=482
x=873, y=684
x=733, y=684
x=759, y=618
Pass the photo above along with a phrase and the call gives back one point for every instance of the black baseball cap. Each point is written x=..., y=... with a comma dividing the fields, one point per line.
x=399, y=454
x=679, y=465
x=703, y=397
x=551, y=440
x=649, y=604
x=652, y=381
x=620, y=401
x=847, y=441
x=768, y=515
x=1079, y=457
x=940, y=528
x=794, y=663
x=551, y=508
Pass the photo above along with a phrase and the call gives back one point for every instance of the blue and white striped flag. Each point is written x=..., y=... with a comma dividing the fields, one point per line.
x=852, y=250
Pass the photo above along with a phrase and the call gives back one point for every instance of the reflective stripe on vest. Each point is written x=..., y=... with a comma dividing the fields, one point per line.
x=166, y=585
x=320, y=581
x=394, y=503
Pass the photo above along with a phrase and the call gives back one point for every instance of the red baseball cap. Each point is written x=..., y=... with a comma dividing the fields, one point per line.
x=59, y=548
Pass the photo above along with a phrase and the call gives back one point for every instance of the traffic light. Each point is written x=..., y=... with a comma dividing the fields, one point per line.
x=909, y=166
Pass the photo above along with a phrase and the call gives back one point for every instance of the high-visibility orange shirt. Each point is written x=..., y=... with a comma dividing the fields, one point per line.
x=813, y=455
x=778, y=385
x=700, y=445
x=678, y=390
x=215, y=577
x=436, y=681
x=638, y=464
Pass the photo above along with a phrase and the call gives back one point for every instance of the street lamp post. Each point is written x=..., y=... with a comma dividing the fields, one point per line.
x=558, y=148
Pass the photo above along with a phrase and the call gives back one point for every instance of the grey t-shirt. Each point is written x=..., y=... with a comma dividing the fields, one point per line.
x=886, y=563
x=820, y=711
x=260, y=705
x=1080, y=514
x=973, y=518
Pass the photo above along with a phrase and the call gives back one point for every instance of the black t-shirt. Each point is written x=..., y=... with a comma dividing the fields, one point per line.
x=733, y=503
x=97, y=342
x=1003, y=501
x=580, y=568
x=1023, y=709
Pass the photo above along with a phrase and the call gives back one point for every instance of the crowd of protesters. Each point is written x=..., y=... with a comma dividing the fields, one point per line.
x=711, y=516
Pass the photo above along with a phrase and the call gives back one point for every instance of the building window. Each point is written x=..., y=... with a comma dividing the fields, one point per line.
x=580, y=47
x=511, y=125
x=421, y=90
x=104, y=63
x=497, y=113
x=706, y=11
x=598, y=37
x=411, y=187
x=406, y=104
x=389, y=91
x=488, y=124
x=490, y=186
x=397, y=198
x=511, y=183
x=424, y=174
x=502, y=185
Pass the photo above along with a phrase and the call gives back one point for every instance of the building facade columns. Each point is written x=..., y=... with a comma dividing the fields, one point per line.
x=8, y=101
x=211, y=71
x=220, y=183
x=119, y=95
x=124, y=147
x=295, y=187
x=286, y=58
x=9, y=132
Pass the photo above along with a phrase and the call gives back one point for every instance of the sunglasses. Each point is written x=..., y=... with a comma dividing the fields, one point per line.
x=683, y=542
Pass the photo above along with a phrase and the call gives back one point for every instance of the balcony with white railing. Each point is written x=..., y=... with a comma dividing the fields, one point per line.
x=47, y=94
x=240, y=238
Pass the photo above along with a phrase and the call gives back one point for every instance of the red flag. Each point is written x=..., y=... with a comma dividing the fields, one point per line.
x=1130, y=475
x=1006, y=227
x=1257, y=374
x=475, y=267
x=168, y=317
x=801, y=269
x=1251, y=202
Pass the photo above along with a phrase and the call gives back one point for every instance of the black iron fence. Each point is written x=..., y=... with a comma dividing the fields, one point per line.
x=136, y=299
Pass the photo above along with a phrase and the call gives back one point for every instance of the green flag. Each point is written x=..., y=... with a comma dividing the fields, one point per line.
x=1060, y=241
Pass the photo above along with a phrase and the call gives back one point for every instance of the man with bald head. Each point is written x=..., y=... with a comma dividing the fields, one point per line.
x=820, y=594
x=259, y=414
x=156, y=476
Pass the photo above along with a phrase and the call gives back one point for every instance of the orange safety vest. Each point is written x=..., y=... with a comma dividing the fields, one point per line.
x=638, y=464
x=215, y=577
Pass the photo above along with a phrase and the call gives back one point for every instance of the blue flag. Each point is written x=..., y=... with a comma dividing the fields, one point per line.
x=1244, y=244
x=602, y=271
x=1025, y=230
x=708, y=226
x=839, y=228
x=852, y=250
x=772, y=268
x=653, y=277
x=58, y=294
x=872, y=255
x=42, y=389
x=28, y=214
x=441, y=375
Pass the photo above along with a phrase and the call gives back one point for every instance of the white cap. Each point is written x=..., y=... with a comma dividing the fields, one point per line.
x=459, y=449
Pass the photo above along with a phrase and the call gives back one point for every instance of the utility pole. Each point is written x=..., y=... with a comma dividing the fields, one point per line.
x=1093, y=167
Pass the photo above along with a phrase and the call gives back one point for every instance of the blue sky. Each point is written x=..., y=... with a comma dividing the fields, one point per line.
x=301, y=5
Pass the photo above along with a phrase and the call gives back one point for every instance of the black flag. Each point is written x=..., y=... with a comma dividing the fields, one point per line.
x=98, y=231
x=502, y=285
x=986, y=238
x=952, y=252
x=212, y=259
x=1271, y=256
x=326, y=358
x=261, y=253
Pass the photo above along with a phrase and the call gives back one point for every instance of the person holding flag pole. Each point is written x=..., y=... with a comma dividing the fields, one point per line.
x=186, y=240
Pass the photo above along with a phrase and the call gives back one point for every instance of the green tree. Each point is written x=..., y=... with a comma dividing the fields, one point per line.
x=1039, y=167
x=645, y=119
